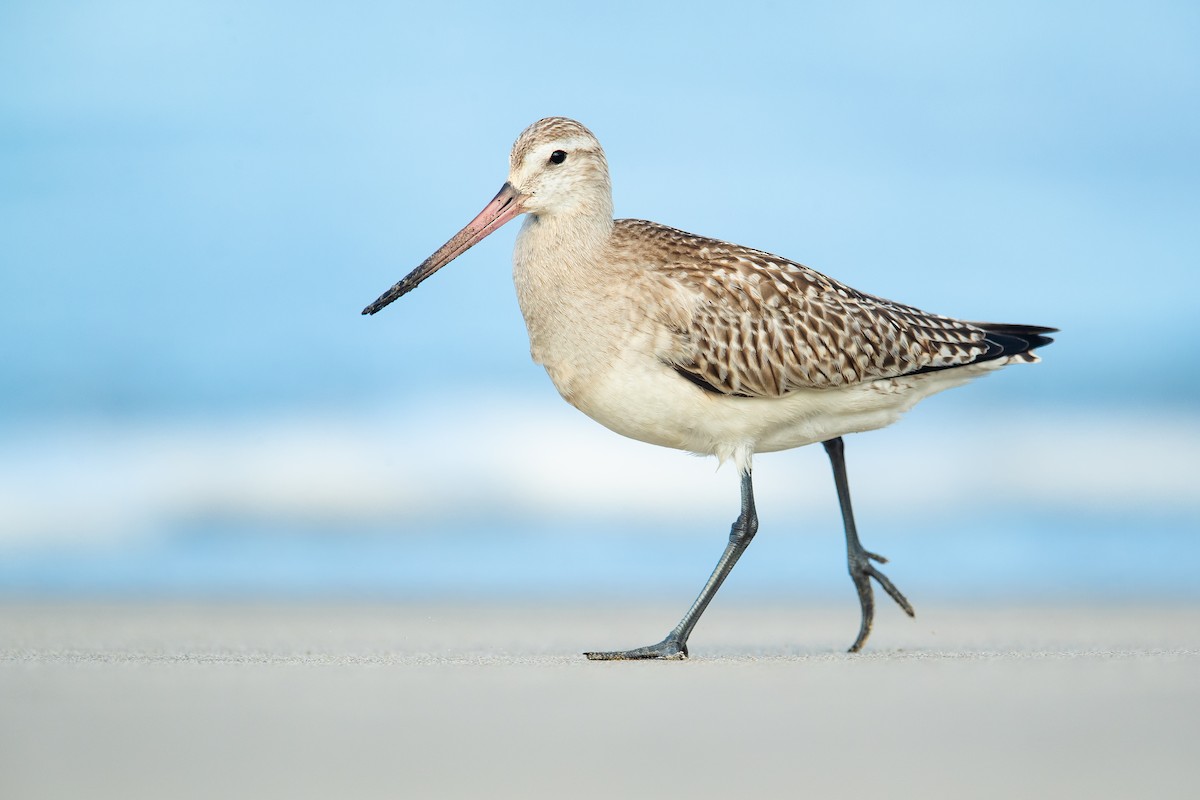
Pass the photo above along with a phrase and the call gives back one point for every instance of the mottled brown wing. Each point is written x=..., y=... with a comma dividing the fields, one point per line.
x=753, y=324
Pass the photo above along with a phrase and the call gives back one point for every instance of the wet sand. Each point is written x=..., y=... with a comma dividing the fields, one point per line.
x=413, y=701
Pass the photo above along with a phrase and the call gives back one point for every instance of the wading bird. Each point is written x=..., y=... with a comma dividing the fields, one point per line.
x=710, y=347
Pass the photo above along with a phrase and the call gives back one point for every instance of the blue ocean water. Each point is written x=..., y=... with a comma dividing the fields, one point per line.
x=1009, y=557
x=195, y=204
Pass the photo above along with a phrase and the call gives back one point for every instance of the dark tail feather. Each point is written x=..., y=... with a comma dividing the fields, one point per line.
x=1010, y=340
x=1018, y=341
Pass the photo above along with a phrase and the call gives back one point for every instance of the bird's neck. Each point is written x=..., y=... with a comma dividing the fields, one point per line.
x=562, y=243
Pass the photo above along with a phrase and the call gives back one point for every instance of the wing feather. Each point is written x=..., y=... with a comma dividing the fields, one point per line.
x=750, y=323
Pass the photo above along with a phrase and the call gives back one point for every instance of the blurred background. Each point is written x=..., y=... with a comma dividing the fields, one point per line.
x=197, y=199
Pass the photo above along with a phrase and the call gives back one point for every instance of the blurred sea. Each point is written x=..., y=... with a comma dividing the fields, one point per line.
x=521, y=496
x=197, y=200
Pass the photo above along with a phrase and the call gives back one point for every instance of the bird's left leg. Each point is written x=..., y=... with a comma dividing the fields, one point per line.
x=858, y=558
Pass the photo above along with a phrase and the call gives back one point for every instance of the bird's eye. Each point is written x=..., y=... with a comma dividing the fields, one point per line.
x=558, y=156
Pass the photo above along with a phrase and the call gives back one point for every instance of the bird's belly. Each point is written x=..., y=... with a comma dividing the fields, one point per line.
x=647, y=400
x=650, y=402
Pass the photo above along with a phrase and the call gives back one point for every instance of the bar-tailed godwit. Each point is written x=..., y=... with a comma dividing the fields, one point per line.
x=709, y=347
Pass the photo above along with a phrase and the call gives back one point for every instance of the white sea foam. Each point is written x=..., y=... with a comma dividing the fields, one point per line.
x=521, y=457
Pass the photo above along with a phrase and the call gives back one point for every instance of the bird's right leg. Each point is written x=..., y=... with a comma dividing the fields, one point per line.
x=675, y=645
x=858, y=558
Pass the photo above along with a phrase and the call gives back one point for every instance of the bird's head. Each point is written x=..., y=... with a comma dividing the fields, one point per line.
x=557, y=170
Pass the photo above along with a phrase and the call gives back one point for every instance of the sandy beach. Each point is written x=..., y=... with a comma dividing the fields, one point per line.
x=365, y=701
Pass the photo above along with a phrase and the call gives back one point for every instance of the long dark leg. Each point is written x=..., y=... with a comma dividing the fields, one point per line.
x=858, y=559
x=675, y=645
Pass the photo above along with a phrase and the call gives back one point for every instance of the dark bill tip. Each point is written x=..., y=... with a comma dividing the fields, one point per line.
x=503, y=207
